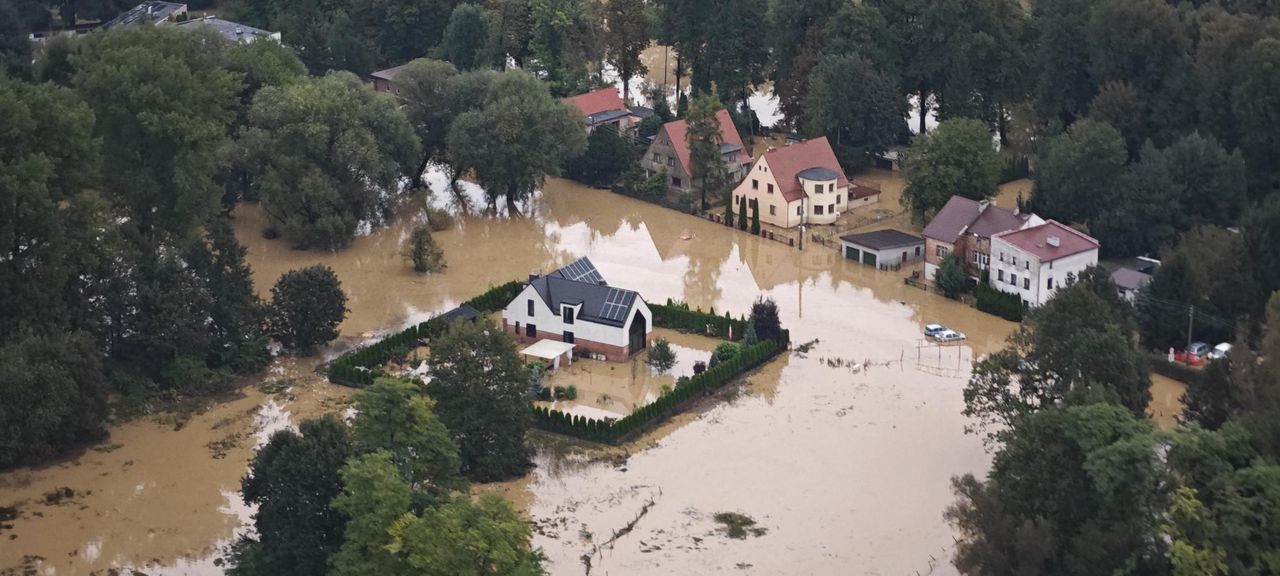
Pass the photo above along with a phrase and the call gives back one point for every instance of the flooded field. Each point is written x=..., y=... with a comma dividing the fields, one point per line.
x=842, y=454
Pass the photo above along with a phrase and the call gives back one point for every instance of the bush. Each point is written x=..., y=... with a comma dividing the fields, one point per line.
x=307, y=306
x=764, y=320
x=951, y=278
x=439, y=220
x=992, y=301
x=699, y=367
x=423, y=252
x=723, y=352
x=660, y=356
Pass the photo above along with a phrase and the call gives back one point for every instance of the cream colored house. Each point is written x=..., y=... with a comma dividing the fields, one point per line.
x=800, y=183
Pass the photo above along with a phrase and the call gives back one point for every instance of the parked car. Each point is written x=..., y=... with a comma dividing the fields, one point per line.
x=1220, y=351
x=949, y=336
x=932, y=330
x=1194, y=355
x=1198, y=349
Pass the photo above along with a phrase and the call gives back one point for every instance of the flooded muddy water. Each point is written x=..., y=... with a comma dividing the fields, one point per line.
x=842, y=454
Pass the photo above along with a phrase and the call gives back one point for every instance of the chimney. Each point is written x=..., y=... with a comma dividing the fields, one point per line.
x=1053, y=241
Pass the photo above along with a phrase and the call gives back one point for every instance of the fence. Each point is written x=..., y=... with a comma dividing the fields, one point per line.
x=766, y=233
x=359, y=367
x=616, y=431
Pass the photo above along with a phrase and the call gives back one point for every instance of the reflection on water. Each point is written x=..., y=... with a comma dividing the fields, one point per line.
x=843, y=453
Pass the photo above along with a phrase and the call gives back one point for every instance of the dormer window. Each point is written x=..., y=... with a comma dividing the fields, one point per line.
x=567, y=314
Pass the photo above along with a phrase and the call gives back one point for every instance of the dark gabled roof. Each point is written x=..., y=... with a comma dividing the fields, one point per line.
x=1129, y=279
x=607, y=116
x=964, y=216
x=580, y=284
x=883, y=239
x=388, y=74
x=818, y=173
x=461, y=313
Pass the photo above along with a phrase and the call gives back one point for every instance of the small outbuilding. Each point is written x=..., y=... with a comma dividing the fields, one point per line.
x=882, y=248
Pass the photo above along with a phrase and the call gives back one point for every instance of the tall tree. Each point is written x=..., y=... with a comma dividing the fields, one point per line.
x=516, y=136
x=292, y=480
x=1077, y=170
x=1065, y=83
x=562, y=43
x=626, y=36
x=307, y=305
x=330, y=153
x=425, y=93
x=374, y=497
x=15, y=48
x=1075, y=349
x=485, y=538
x=466, y=37
x=479, y=385
x=704, y=139
x=396, y=416
x=236, y=314
x=860, y=123
x=162, y=102
x=54, y=396
x=956, y=159
x=1257, y=106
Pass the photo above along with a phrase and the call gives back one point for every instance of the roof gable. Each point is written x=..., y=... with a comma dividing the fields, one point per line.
x=787, y=162
x=961, y=215
x=580, y=284
x=677, y=132
x=598, y=101
x=1039, y=240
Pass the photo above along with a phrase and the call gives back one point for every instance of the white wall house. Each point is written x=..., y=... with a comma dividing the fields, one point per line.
x=1034, y=262
x=800, y=183
x=575, y=305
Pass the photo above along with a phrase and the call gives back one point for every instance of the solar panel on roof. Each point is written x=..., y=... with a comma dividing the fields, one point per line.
x=616, y=304
x=582, y=270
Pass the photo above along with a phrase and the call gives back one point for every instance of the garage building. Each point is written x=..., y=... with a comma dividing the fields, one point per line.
x=882, y=248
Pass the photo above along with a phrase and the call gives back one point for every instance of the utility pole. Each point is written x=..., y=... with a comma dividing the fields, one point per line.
x=1191, y=318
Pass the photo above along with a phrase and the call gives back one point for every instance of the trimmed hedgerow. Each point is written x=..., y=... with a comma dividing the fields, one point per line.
x=615, y=431
x=360, y=366
x=1002, y=304
x=678, y=316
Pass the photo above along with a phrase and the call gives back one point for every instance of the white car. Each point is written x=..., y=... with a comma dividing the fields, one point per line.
x=1220, y=351
x=949, y=336
x=932, y=330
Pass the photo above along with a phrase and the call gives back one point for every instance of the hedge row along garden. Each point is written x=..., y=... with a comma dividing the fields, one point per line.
x=1002, y=304
x=359, y=367
x=678, y=316
x=615, y=431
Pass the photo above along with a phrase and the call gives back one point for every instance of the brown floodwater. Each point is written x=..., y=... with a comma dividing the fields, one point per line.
x=842, y=453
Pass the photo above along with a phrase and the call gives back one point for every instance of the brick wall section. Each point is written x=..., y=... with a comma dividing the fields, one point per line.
x=581, y=347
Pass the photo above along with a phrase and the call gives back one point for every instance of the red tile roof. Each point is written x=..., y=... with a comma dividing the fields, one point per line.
x=602, y=100
x=962, y=215
x=677, y=132
x=1035, y=240
x=788, y=161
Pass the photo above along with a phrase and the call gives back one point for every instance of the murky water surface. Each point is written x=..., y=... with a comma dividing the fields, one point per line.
x=842, y=453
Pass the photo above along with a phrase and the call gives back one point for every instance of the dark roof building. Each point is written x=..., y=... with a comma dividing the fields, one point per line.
x=232, y=31
x=883, y=239
x=149, y=12
x=580, y=284
x=965, y=216
x=461, y=314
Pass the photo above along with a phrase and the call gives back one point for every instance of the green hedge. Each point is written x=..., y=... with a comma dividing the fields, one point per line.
x=1160, y=364
x=1004, y=305
x=614, y=431
x=680, y=317
x=1015, y=168
x=360, y=366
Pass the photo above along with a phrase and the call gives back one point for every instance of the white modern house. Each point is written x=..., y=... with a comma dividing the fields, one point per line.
x=1034, y=262
x=576, y=306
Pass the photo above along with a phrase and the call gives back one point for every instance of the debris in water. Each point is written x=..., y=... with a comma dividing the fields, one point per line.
x=737, y=526
x=803, y=349
x=58, y=495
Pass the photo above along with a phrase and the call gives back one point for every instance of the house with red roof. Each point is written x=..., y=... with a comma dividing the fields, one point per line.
x=603, y=107
x=1034, y=262
x=670, y=151
x=965, y=227
x=800, y=183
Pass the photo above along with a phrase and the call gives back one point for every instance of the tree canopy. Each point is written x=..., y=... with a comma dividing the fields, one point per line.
x=956, y=159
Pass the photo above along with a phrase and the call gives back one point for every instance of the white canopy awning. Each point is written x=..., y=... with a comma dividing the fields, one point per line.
x=550, y=350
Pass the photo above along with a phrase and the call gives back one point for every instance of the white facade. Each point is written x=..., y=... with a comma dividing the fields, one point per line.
x=1017, y=271
x=549, y=324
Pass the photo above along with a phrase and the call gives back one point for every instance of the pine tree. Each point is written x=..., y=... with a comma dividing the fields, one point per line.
x=728, y=210
x=742, y=213
x=755, y=216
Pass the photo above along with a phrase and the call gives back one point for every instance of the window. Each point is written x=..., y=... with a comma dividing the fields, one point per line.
x=676, y=182
x=1049, y=284
x=1000, y=275
x=851, y=197
x=773, y=210
x=771, y=188
x=530, y=330
x=917, y=251
x=981, y=260
x=1026, y=264
x=817, y=209
x=755, y=184
x=941, y=251
x=671, y=161
x=568, y=315
x=530, y=308
x=657, y=157
x=1026, y=283
x=568, y=337
x=798, y=212
x=839, y=199
x=517, y=328
x=1013, y=279
x=831, y=208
